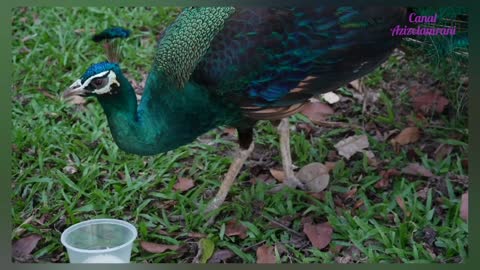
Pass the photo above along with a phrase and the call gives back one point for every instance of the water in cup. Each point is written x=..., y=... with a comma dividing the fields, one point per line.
x=99, y=241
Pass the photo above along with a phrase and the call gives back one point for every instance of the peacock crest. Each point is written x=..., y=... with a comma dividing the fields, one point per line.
x=110, y=37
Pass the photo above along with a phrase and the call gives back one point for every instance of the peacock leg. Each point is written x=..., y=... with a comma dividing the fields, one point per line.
x=290, y=179
x=237, y=164
x=245, y=140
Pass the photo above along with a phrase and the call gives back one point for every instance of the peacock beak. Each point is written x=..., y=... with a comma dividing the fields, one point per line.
x=76, y=89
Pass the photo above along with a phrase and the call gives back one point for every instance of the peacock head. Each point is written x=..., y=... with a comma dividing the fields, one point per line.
x=99, y=79
x=102, y=78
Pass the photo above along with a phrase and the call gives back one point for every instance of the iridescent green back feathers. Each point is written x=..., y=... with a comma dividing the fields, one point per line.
x=187, y=40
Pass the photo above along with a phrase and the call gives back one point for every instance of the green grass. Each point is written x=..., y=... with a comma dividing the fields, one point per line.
x=51, y=49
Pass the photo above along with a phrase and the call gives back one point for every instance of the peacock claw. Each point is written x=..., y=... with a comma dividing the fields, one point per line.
x=294, y=182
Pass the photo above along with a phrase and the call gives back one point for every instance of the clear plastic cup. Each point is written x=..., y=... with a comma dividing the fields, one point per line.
x=99, y=241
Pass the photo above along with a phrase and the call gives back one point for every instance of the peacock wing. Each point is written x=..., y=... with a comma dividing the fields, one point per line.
x=270, y=60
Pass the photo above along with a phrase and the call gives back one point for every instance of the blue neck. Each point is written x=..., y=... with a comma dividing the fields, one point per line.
x=166, y=117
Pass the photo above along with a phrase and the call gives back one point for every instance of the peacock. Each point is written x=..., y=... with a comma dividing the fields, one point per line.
x=228, y=66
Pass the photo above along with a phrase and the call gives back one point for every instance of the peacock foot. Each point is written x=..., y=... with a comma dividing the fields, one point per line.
x=291, y=180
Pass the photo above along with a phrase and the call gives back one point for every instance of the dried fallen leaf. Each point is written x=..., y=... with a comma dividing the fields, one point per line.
x=165, y=204
x=24, y=246
x=281, y=223
x=442, y=151
x=337, y=200
x=157, y=248
x=278, y=174
x=350, y=194
x=372, y=160
x=351, y=145
x=464, y=207
x=163, y=232
x=423, y=193
x=386, y=177
x=330, y=165
x=358, y=204
x=417, y=170
x=315, y=176
x=121, y=175
x=387, y=135
x=183, y=184
x=331, y=97
x=235, y=228
x=318, y=195
x=221, y=256
x=265, y=254
x=332, y=156
x=320, y=235
x=401, y=203
x=418, y=118
x=20, y=229
x=306, y=219
x=407, y=136
x=336, y=249
x=46, y=93
x=430, y=102
x=317, y=111
x=356, y=85
x=306, y=128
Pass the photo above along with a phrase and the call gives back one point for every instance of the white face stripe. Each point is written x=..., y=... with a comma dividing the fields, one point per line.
x=112, y=79
x=87, y=81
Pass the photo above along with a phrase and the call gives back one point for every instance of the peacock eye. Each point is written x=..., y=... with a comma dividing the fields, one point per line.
x=98, y=83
